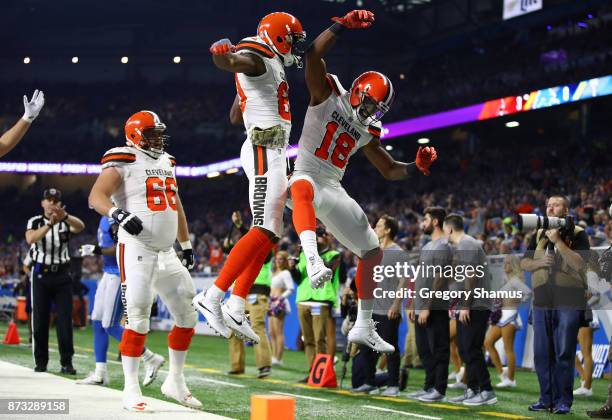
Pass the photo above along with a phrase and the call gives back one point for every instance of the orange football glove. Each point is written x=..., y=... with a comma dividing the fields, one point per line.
x=222, y=47
x=356, y=19
x=424, y=158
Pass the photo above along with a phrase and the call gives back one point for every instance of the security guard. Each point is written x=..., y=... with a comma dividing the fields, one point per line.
x=48, y=235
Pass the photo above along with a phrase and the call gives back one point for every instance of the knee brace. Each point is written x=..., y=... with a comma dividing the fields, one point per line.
x=138, y=319
x=132, y=343
x=180, y=338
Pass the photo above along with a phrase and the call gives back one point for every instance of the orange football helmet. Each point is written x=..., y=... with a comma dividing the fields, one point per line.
x=371, y=96
x=145, y=131
x=284, y=34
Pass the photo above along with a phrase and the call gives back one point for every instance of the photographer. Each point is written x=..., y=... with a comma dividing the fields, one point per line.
x=559, y=282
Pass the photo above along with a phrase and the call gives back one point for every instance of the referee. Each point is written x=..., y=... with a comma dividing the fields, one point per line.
x=48, y=235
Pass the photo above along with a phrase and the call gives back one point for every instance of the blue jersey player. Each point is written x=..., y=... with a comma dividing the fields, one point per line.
x=108, y=308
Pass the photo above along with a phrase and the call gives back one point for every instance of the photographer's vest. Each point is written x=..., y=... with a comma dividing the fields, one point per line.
x=328, y=293
x=566, y=289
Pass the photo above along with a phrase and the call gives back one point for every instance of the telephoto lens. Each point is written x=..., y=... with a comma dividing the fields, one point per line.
x=533, y=221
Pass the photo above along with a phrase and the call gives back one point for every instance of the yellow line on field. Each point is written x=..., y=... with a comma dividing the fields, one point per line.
x=503, y=415
x=445, y=406
x=344, y=392
x=394, y=399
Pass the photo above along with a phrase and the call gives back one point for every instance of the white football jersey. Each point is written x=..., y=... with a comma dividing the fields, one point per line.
x=264, y=99
x=148, y=191
x=331, y=135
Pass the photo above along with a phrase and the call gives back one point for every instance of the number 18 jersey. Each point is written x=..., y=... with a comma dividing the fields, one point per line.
x=148, y=191
x=331, y=135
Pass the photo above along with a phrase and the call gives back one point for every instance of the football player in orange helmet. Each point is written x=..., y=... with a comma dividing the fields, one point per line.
x=137, y=188
x=262, y=104
x=338, y=123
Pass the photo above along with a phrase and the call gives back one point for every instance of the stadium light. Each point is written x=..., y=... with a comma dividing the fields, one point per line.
x=176, y=59
x=388, y=147
x=231, y=171
x=75, y=60
x=213, y=174
x=512, y=124
x=26, y=60
x=402, y=76
x=423, y=140
x=124, y=60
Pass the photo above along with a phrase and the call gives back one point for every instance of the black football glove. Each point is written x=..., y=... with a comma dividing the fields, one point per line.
x=188, y=261
x=129, y=222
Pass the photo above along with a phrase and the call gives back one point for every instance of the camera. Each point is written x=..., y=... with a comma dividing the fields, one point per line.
x=533, y=221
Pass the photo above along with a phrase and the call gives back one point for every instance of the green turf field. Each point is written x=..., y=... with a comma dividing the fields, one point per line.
x=230, y=396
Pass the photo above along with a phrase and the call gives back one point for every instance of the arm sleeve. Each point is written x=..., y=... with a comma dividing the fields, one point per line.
x=289, y=287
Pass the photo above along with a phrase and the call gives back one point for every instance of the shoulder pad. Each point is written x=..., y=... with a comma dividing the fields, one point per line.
x=172, y=159
x=334, y=84
x=118, y=156
x=255, y=45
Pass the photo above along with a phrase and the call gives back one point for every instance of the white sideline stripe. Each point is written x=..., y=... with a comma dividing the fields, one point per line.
x=299, y=396
x=214, y=381
x=404, y=413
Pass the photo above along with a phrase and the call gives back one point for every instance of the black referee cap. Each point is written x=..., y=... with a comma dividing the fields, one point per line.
x=53, y=193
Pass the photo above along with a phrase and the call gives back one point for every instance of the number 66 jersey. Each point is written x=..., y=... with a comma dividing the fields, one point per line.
x=148, y=191
x=331, y=135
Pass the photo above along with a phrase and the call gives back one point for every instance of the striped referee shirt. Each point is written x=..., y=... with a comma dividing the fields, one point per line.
x=53, y=247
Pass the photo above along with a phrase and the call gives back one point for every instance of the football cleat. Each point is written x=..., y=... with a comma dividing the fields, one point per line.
x=239, y=324
x=134, y=401
x=367, y=335
x=94, y=379
x=210, y=308
x=318, y=273
x=152, y=367
x=175, y=387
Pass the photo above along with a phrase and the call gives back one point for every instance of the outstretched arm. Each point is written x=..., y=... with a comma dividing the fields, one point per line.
x=394, y=170
x=13, y=136
x=225, y=58
x=316, y=71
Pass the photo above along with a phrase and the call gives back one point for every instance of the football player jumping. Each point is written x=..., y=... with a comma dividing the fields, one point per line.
x=140, y=179
x=259, y=66
x=337, y=124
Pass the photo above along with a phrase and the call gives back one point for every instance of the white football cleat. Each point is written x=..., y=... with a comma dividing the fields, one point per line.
x=239, y=324
x=367, y=335
x=318, y=273
x=152, y=367
x=134, y=401
x=210, y=308
x=175, y=387
x=94, y=379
